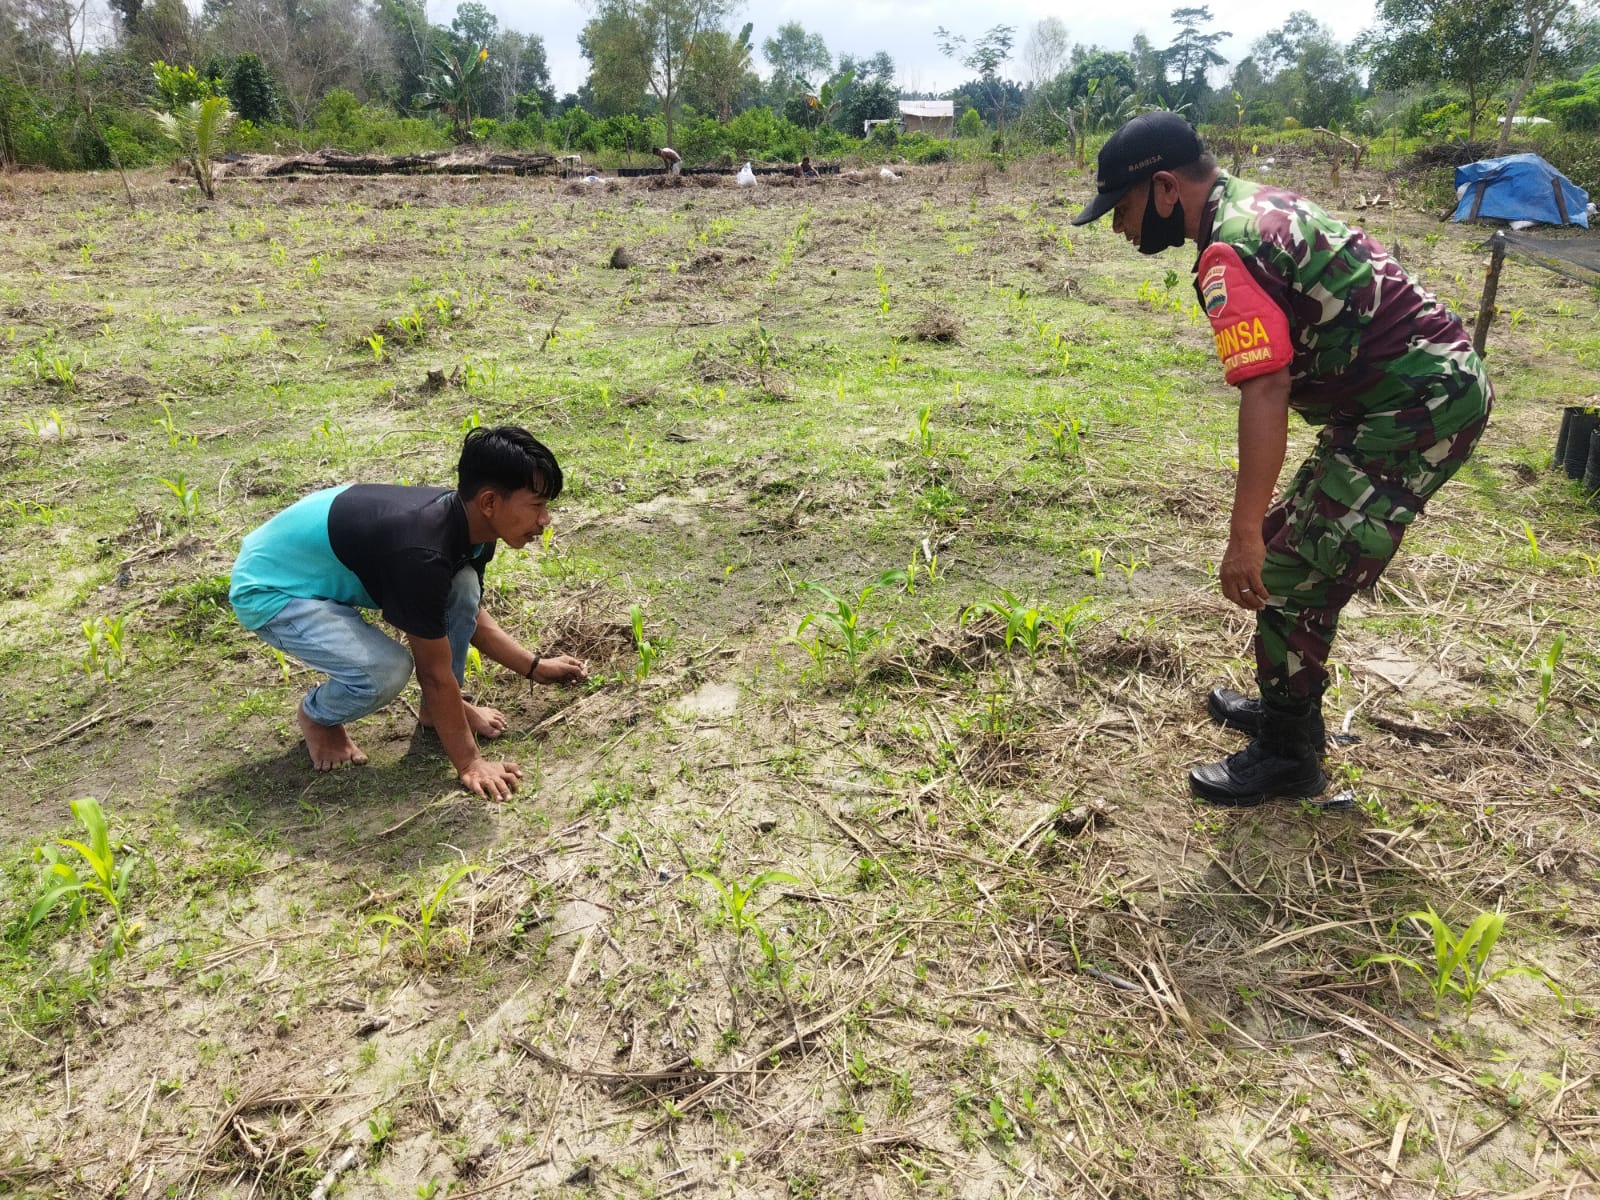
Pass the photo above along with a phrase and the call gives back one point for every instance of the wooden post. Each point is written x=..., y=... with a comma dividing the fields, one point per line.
x=1491, y=285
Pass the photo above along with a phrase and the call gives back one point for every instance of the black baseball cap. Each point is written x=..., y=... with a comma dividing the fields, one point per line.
x=1151, y=142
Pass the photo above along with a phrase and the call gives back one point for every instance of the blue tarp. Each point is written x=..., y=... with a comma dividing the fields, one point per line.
x=1519, y=187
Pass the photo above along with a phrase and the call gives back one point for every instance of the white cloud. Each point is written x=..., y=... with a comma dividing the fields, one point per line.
x=905, y=30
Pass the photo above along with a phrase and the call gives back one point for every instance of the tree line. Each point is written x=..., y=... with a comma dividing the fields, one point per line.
x=82, y=87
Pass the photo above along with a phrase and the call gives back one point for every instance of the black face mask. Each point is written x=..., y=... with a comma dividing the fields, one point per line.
x=1158, y=233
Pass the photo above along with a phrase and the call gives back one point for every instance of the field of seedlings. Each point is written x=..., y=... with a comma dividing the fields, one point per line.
x=864, y=865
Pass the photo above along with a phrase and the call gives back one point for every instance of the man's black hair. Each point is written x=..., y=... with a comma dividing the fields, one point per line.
x=506, y=458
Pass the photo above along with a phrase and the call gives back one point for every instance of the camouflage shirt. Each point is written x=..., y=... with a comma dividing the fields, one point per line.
x=1375, y=357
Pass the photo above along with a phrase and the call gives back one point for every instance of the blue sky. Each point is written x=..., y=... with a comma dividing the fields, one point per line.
x=905, y=28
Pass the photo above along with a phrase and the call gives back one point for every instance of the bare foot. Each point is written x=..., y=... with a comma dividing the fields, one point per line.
x=329, y=745
x=487, y=723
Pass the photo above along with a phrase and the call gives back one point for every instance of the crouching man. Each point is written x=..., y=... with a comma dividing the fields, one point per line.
x=415, y=554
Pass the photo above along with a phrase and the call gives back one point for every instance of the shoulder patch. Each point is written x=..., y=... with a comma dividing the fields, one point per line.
x=1250, y=330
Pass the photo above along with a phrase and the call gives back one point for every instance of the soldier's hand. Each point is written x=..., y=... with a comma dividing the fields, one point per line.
x=491, y=780
x=1240, y=572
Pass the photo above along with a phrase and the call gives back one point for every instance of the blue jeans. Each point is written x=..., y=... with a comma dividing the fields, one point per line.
x=366, y=667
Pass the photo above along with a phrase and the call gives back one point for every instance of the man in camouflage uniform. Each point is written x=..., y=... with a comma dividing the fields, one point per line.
x=1312, y=315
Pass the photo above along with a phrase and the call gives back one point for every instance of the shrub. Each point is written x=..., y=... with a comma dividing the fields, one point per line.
x=182, y=85
x=919, y=147
x=885, y=137
x=757, y=134
x=970, y=125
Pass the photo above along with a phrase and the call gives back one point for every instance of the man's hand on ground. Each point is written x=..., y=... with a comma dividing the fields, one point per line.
x=561, y=668
x=1240, y=572
x=491, y=780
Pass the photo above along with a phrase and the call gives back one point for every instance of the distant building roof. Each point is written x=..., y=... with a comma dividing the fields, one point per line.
x=928, y=108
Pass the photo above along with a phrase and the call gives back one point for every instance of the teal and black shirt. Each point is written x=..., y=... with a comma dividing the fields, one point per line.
x=367, y=545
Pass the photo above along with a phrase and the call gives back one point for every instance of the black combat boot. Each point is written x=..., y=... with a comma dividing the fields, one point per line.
x=1284, y=759
x=1234, y=710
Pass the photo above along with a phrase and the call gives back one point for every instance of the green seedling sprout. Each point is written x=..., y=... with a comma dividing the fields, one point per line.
x=168, y=426
x=1548, y=661
x=1065, y=433
x=51, y=427
x=187, y=496
x=98, y=874
x=105, y=644
x=855, y=637
x=1460, y=962
x=1129, y=567
x=1068, y=621
x=430, y=908
x=925, y=437
x=1024, y=622
x=376, y=342
x=1533, y=540
x=1095, y=557
x=736, y=899
x=649, y=651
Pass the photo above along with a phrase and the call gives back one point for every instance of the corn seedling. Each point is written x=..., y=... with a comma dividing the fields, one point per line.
x=186, y=494
x=1460, y=961
x=97, y=874
x=1532, y=540
x=855, y=637
x=883, y=290
x=421, y=933
x=1024, y=622
x=51, y=427
x=1065, y=434
x=105, y=644
x=647, y=649
x=331, y=434
x=1548, y=661
x=168, y=426
x=736, y=899
x=376, y=343
x=925, y=436
x=1129, y=567
x=1067, y=622
x=1095, y=557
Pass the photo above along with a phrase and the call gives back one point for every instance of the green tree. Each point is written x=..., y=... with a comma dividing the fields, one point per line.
x=1553, y=29
x=619, y=69
x=794, y=56
x=1304, y=72
x=718, y=69
x=251, y=91
x=865, y=92
x=517, y=76
x=985, y=54
x=653, y=38
x=1101, y=64
x=1474, y=45
x=1192, y=54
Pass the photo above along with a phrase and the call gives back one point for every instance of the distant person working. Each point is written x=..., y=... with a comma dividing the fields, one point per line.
x=417, y=555
x=672, y=159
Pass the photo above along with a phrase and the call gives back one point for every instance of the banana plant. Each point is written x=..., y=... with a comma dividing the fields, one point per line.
x=825, y=100
x=449, y=90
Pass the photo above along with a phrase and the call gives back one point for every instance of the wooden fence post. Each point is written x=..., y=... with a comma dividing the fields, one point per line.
x=1491, y=285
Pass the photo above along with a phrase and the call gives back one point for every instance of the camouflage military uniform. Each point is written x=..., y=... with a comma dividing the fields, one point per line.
x=1390, y=376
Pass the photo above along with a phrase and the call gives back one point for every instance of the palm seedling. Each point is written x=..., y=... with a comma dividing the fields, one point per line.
x=198, y=129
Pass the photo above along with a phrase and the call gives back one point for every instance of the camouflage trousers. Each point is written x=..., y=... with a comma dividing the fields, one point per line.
x=1332, y=532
